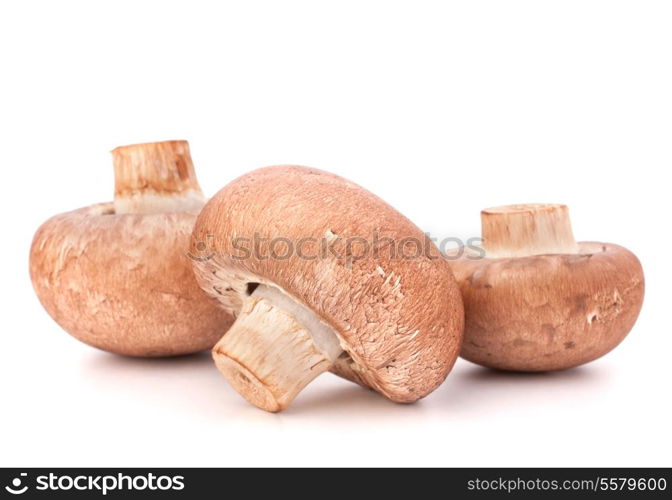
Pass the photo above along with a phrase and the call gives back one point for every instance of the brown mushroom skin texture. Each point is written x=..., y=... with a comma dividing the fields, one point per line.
x=548, y=312
x=399, y=320
x=123, y=282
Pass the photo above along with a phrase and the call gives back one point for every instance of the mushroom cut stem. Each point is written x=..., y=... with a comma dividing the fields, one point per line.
x=527, y=229
x=155, y=177
x=274, y=349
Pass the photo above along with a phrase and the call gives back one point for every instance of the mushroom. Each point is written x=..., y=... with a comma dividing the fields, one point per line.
x=116, y=275
x=312, y=267
x=536, y=300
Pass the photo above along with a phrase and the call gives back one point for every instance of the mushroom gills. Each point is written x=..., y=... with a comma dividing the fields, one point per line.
x=275, y=348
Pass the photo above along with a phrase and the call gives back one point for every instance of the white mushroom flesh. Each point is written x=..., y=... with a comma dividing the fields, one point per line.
x=275, y=348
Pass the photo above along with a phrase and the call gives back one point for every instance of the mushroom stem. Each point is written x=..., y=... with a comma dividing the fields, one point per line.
x=156, y=177
x=528, y=229
x=274, y=349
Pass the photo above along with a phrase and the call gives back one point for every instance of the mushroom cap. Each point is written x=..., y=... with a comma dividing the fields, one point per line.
x=548, y=312
x=123, y=282
x=400, y=320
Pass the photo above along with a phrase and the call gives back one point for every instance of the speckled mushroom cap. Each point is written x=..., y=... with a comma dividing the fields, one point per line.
x=398, y=319
x=548, y=311
x=123, y=282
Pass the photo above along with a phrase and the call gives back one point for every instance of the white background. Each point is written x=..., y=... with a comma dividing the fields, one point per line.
x=442, y=108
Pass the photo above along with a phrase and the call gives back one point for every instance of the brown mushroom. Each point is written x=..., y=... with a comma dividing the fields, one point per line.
x=312, y=266
x=116, y=275
x=535, y=300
